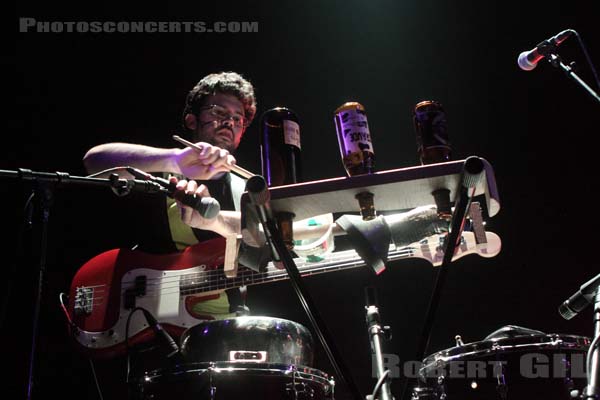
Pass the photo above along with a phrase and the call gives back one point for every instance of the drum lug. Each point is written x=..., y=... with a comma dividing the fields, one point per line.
x=459, y=341
x=297, y=388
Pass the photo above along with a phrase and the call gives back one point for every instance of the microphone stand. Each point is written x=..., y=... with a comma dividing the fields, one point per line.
x=259, y=195
x=555, y=60
x=472, y=172
x=592, y=390
x=44, y=183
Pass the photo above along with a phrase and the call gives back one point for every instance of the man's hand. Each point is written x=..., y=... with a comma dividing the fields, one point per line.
x=226, y=223
x=205, y=164
x=189, y=216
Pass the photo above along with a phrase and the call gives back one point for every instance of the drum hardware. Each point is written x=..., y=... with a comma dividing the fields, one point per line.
x=212, y=388
x=588, y=293
x=260, y=205
x=233, y=381
x=242, y=309
x=473, y=172
x=293, y=387
x=501, y=387
x=376, y=332
x=502, y=367
x=259, y=195
x=245, y=356
x=249, y=339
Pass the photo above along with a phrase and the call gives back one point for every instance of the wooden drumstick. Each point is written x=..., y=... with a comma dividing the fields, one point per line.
x=235, y=168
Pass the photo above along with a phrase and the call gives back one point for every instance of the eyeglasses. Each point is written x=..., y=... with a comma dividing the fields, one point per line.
x=222, y=114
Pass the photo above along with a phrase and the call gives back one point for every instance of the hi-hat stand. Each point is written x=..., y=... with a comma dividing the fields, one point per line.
x=376, y=333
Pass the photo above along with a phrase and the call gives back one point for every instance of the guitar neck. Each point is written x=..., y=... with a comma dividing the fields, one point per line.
x=430, y=248
x=336, y=261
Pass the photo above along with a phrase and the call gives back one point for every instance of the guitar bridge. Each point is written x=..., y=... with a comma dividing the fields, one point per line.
x=84, y=297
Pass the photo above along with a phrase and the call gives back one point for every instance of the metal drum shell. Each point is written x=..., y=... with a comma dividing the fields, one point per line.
x=519, y=344
x=234, y=380
x=284, y=341
x=504, y=370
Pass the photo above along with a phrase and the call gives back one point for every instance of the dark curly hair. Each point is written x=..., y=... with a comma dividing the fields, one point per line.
x=222, y=82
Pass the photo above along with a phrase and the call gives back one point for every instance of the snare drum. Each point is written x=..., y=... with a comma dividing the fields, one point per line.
x=542, y=366
x=240, y=358
x=235, y=380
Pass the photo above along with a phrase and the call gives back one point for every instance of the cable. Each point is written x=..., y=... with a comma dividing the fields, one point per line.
x=64, y=308
x=73, y=328
x=96, y=379
x=588, y=363
x=106, y=171
x=25, y=225
x=379, y=384
x=127, y=341
x=587, y=57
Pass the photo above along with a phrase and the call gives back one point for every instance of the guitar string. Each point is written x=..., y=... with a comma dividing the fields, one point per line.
x=334, y=258
x=177, y=279
x=253, y=277
x=271, y=275
x=218, y=273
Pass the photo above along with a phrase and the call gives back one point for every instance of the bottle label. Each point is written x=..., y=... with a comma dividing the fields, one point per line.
x=353, y=132
x=291, y=133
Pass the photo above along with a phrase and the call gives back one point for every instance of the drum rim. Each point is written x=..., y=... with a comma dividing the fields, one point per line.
x=227, y=366
x=506, y=345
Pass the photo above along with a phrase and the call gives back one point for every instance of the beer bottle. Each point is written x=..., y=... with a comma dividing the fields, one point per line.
x=433, y=145
x=280, y=147
x=354, y=139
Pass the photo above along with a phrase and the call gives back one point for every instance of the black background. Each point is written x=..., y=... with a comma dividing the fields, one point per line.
x=538, y=130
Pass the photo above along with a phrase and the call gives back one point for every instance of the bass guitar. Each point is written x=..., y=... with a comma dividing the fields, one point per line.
x=106, y=289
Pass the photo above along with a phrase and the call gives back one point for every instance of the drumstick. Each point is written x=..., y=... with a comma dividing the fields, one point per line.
x=234, y=168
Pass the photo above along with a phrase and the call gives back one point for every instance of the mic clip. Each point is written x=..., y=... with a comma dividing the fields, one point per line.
x=547, y=47
x=123, y=187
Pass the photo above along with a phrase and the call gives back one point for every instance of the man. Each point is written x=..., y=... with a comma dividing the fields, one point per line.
x=216, y=114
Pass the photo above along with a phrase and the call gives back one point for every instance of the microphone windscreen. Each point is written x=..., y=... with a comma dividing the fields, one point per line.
x=565, y=311
x=524, y=63
x=209, y=208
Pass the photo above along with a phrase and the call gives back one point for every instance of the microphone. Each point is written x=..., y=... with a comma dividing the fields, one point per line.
x=528, y=59
x=580, y=300
x=166, y=341
x=208, y=207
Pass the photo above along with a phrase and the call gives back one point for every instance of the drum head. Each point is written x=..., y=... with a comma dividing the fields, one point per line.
x=238, y=380
x=257, y=339
x=522, y=367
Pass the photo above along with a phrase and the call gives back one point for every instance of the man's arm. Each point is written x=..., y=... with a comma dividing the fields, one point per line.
x=139, y=156
x=202, y=165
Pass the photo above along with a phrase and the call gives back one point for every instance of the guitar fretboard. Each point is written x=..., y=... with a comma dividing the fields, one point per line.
x=216, y=280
